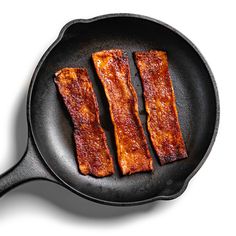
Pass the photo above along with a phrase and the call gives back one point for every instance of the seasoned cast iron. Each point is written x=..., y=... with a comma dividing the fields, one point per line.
x=50, y=153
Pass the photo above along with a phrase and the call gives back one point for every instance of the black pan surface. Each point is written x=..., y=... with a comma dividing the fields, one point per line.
x=196, y=95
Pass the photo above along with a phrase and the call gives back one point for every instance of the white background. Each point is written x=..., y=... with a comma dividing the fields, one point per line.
x=207, y=207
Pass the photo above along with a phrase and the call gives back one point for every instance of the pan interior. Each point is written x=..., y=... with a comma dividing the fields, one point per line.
x=196, y=104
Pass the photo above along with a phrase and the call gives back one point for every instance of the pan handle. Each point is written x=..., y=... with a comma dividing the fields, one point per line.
x=30, y=167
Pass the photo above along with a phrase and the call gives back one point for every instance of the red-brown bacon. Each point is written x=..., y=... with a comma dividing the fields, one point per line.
x=92, y=151
x=163, y=124
x=113, y=70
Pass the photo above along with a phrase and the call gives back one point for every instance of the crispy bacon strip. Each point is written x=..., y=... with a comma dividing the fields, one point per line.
x=113, y=70
x=92, y=151
x=163, y=124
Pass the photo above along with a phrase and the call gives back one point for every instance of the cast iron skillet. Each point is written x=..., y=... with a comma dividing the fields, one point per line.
x=50, y=154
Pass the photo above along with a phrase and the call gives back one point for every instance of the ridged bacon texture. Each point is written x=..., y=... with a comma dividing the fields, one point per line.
x=113, y=70
x=162, y=122
x=92, y=151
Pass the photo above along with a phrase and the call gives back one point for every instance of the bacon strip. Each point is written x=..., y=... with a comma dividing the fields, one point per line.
x=92, y=151
x=113, y=70
x=163, y=124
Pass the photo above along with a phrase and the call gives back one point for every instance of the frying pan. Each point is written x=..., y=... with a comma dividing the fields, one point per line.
x=50, y=153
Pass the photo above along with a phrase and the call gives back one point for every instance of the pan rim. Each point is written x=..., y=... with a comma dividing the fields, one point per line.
x=137, y=16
